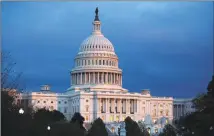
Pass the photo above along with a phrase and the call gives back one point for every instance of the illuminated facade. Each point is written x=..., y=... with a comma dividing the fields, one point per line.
x=96, y=88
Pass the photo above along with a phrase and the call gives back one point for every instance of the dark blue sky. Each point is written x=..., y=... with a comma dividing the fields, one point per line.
x=163, y=46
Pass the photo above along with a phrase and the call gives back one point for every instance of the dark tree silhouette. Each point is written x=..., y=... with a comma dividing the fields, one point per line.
x=202, y=119
x=10, y=79
x=79, y=119
x=98, y=128
x=168, y=130
x=132, y=128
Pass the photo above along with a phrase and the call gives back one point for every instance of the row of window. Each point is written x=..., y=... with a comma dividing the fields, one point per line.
x=96, y=62
x=75, y=109
x=111, y=118
x=97, y=46
x=161, y=113
x=65, y=102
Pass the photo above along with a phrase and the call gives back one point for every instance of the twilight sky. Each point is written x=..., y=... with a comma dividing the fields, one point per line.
x=163, y=46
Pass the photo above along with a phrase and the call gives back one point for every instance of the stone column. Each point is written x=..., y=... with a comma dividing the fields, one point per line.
x=106, y=78
x=121, y=80
x=114, y=78
x=109, y=77
x=78, y=78
x=127, y=107
x=138, y=106
x=104, y=105
x=107, y=105
x=93, y=77
x=81, y=78
x=119, y=107
x=103, y=78
x=98, y=80
x=75, y=78
x=118, y=79
x=85, y=78
x=89, y=78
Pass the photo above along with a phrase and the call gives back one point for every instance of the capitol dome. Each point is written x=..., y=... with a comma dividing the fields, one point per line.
x=96, y=42
x=96, y=64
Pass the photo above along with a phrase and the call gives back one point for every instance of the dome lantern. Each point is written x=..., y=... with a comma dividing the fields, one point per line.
x=97, y=24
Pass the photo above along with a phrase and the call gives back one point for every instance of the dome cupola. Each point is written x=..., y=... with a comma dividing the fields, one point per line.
x=96, y=64
x=96, y=41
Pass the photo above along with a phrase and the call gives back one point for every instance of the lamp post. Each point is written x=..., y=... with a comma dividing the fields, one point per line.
x=49, y=129
x=21, y=111
x=211, y=130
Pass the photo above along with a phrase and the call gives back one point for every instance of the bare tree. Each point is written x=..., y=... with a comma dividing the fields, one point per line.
x=10, y=79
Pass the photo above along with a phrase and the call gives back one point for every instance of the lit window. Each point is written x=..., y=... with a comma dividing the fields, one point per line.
x=111, y=118
x=117, y=118
x=51, y=108
x=86, y=118
x=103, y=118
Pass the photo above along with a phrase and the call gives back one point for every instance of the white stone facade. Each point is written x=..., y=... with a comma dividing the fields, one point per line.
x=96, y=88
x=182, y=107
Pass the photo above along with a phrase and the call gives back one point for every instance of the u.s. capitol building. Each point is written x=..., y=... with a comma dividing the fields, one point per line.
x=96, y=88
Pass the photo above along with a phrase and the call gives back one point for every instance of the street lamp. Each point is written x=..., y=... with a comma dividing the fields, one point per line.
x=193, y=133
x=48, y=128
x=21, y=111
